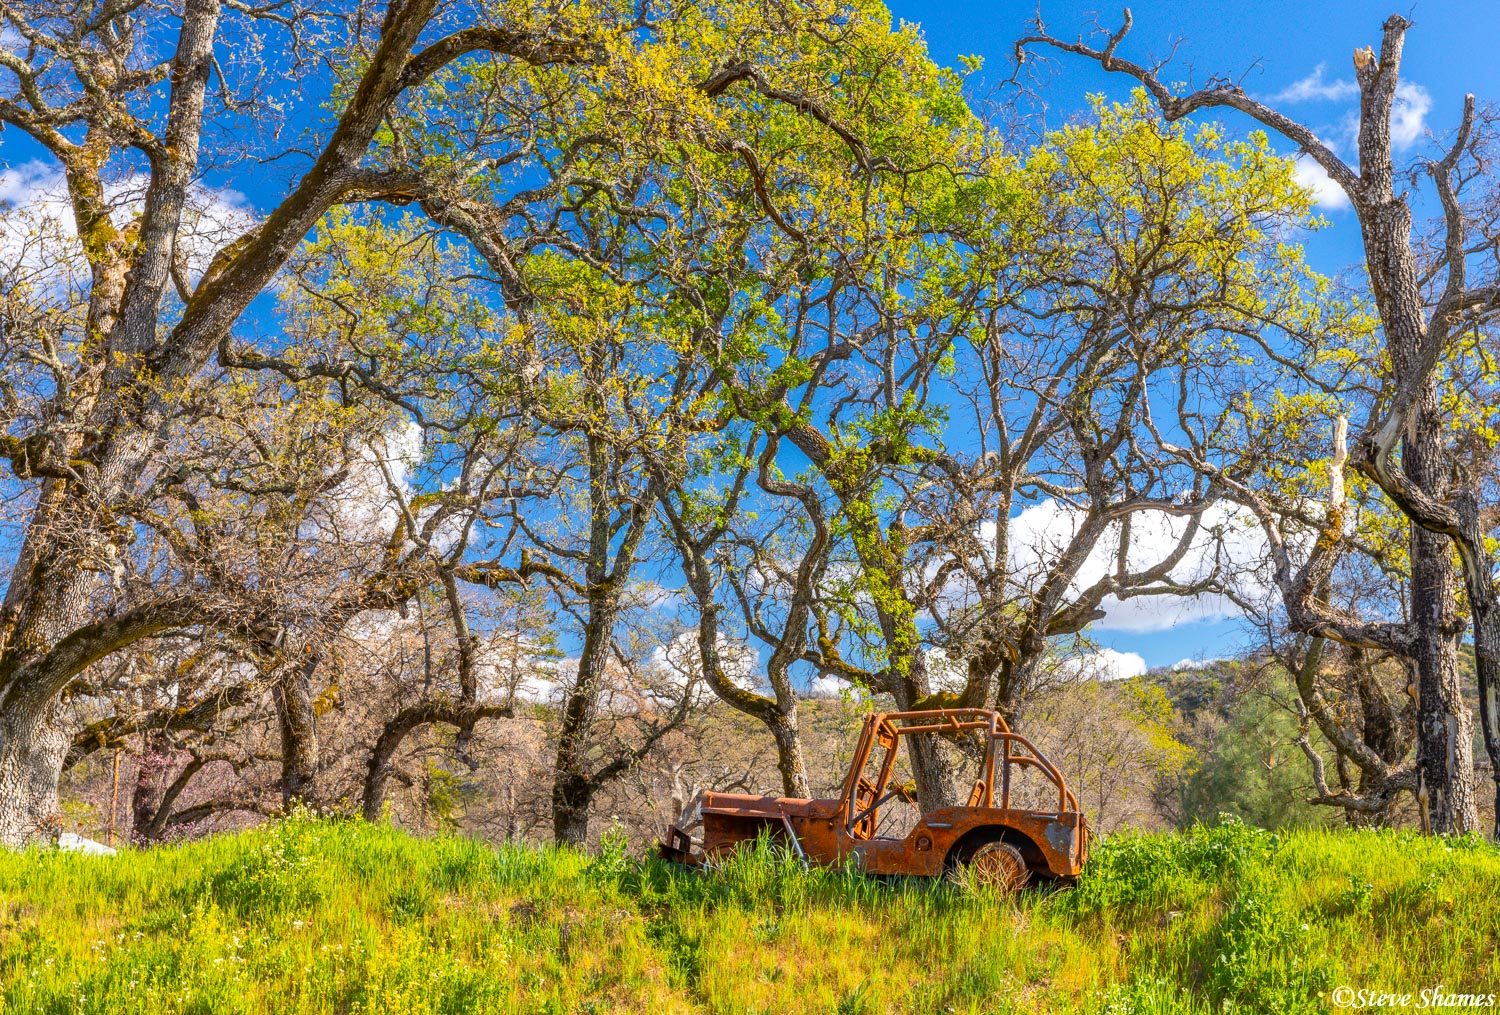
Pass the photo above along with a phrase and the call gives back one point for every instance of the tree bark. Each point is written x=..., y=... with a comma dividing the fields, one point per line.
x=1445, y=732
x=789, y=760
x=929, y=766
x=32, y=745
x=573, y=788
x=572, y=797
x=300, y=752
x=462, y=716
x=1485, y=604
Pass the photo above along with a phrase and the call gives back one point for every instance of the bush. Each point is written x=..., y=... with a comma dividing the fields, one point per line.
x=1141, y=871
x=1265, y=963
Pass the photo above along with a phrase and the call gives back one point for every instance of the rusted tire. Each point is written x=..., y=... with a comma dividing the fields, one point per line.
x=998, y=865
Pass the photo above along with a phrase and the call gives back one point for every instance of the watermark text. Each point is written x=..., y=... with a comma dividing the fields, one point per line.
x=1439, y=996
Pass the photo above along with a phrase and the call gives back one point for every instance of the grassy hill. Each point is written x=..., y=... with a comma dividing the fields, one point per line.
x=317, y=916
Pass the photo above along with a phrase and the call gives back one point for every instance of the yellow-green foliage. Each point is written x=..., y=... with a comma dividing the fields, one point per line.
x=309, y=916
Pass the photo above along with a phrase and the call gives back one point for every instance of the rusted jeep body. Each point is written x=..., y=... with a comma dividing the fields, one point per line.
x=1003, y=844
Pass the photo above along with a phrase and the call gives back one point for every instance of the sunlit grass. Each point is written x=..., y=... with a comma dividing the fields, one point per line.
x=321, y=916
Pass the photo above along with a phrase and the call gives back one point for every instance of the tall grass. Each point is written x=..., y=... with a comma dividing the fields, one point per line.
x=319, y=916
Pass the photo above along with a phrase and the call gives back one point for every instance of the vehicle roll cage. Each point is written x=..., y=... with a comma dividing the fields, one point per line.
x=885, y=730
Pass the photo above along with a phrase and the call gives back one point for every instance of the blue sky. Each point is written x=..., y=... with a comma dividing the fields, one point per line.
x=1270, y=47
x=1298, y=53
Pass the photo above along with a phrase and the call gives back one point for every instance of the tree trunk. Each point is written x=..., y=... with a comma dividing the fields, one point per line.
x=32, y=745
x=572, y=789
x=929, y=767
x=572, y=797
x=42, y=601
x=607, y=569
x=152, y=811
x=932, y=773
x=462, y=716
x=1487, y=651
x=372, y=801
x=1382, y=731
x=1484, y=603
x=1445, y=735
x=789, y=754
x=300, y=756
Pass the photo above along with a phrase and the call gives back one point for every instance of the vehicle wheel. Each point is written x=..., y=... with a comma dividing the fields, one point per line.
x=998, y=865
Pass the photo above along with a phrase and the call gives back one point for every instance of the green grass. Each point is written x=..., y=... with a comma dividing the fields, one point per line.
x=318, y=916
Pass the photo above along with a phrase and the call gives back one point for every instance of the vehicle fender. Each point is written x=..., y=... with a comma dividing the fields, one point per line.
x=976, y=837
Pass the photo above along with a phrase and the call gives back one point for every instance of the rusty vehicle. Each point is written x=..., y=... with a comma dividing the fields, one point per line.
x=1000, y=838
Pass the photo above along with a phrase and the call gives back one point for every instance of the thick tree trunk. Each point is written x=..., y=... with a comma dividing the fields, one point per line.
x=1484, y=603
x=33, y=743
x=1445, y=734
x=929, y=766
x=45, y=602
x=573, y=789
x=300, y=754
x=1487, y=654
x=1445, y=754
x=572, y=798
x=789, y=754
x=378, y=772
x=932, y=773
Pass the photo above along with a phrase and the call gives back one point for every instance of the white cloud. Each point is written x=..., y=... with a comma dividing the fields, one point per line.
x=1325, y=193
x=363, y=506
x=829, y=686
x=1146, y=614
x=1408, y=122
x=1409, y=114
x=19, y=183
x=36, y=228
x=944, y=672
x=1105, y=664
x=373, y=625
x=1228, y=538
x=212, y=219
x=38, y=233
x=538, y=689
x=655, y=596
x=513, y=663
x=680, y=659
x=1197, y=664
x=1316, y=88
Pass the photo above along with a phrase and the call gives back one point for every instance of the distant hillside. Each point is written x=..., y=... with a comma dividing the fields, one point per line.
x=309, y=916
